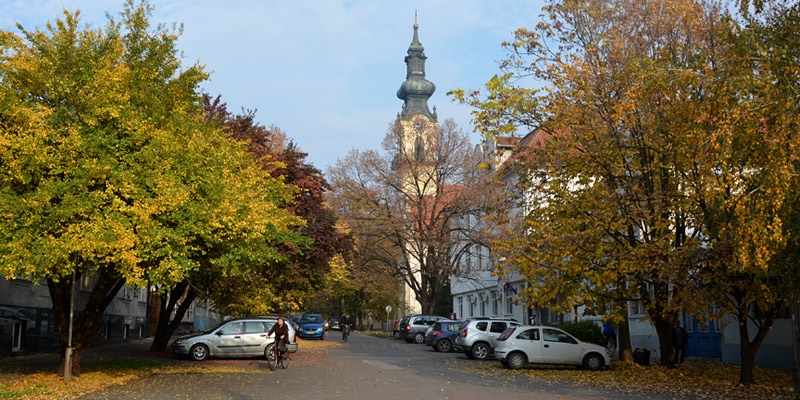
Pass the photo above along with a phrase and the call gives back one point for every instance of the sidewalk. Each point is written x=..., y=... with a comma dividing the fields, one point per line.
x=29, y=363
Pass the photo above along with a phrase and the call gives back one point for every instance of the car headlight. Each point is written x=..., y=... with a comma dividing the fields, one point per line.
x=320, y=329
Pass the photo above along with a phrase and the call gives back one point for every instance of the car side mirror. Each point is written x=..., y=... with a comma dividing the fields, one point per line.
x=218, y=333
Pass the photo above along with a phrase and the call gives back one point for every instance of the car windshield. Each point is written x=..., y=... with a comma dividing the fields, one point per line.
x=311, y=319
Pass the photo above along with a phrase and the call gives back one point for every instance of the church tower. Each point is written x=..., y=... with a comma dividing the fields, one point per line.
x=415, y=164
x=417, y=123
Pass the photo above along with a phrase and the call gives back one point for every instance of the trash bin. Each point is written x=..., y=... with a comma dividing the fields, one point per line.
x=641, y=356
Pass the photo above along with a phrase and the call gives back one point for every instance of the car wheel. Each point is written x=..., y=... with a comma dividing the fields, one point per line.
x=419, y=338
x=515, y=361
x=199, y=352
x=397, y=335
x=323, y=336
x=480, y=351
x=593, y=362
x=444, y=346
x=268, y=354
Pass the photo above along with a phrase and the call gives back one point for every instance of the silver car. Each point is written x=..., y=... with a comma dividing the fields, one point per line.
x=478, y=336
x=242, y=337
x=523, y=345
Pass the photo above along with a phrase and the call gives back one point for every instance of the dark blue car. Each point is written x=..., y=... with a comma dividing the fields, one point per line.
x=442, y=335
x=312, y=326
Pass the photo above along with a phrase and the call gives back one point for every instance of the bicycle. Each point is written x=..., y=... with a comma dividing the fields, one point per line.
x=345, y=332
x=275, y=356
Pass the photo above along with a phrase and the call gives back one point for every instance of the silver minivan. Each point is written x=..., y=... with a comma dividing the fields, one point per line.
x=241, y=337
x=413, y=327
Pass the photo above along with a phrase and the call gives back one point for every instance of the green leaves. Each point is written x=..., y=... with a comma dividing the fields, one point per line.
x=106, y=162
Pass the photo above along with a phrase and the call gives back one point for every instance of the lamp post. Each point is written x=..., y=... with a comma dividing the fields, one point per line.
x=68, y=352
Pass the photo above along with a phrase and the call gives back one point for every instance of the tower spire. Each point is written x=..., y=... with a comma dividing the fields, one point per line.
x=416, y=90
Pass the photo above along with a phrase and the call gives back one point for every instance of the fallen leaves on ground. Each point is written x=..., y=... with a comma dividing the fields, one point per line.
x=94, y=378
x=697, y=379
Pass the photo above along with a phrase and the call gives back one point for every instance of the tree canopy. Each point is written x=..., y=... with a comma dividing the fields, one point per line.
x=109, y=172
x=668, y=175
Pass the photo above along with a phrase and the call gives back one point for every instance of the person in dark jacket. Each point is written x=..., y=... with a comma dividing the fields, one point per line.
x=611, y=336
x=679, y=339
x=346, y=323
x=281, y=332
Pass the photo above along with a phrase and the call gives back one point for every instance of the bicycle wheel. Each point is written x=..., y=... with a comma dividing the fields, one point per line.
x=272, y=358
x=285, y=360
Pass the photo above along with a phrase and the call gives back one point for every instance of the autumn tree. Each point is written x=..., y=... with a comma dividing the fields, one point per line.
x=749, y=198
x=109, y=176
x=306, y=267
x=610, y=218
x=407, y=219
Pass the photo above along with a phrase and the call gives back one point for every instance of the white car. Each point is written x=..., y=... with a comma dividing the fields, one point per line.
x=523, y=345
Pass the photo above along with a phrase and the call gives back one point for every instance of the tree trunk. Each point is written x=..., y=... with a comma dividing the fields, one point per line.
x=86, y=328
x=664, y=327
x=178, y=301
x=748, y=348
x=624, y=345
x=748, y=355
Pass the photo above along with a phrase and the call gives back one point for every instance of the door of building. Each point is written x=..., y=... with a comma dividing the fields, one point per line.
x=16, y=336
x=704, y=338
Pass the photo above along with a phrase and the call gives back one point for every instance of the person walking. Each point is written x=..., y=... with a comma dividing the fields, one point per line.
x=611, y=337
x=679, y=339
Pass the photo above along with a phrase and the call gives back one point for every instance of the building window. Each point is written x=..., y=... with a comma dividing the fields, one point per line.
x=461, y=305
x=495, y=303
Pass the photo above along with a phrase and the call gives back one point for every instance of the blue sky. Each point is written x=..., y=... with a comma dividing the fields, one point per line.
x=326, y=72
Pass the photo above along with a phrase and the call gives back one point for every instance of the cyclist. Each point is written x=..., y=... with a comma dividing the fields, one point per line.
x=281, y=332
x=347, y=324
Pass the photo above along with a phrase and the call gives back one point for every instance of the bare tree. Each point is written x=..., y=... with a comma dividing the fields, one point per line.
x=416, y=211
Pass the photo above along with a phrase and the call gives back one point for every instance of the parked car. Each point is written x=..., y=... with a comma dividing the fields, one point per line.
x=241, y=337
x=442, y=335
x=523, y=345
x=335, y=323
x=413, y=327
x=396, y=330
x=478, y=336
x=312, y=326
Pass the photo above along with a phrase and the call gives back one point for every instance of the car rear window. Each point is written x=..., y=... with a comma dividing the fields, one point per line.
x=497, y=327
x=530, y=334
x=506, y=333
x=481, y=326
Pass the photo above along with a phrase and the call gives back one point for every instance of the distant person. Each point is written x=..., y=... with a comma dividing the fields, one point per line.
x=346, y=324
x=679, y=339
x=611, y=335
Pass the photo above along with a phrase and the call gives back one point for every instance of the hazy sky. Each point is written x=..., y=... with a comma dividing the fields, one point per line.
x=326, y=72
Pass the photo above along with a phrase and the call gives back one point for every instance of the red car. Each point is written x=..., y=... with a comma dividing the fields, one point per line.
x=396, y=330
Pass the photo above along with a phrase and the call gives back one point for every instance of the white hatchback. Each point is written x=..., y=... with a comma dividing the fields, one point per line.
x=523, y=345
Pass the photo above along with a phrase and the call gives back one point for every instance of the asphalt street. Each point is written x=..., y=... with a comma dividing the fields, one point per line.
x=364, y=368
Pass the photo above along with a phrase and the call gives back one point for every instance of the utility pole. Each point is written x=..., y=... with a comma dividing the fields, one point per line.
x=68, y=352
x=796, y=345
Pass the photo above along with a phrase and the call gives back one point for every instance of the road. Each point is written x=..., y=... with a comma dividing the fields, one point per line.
x=364, y=368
